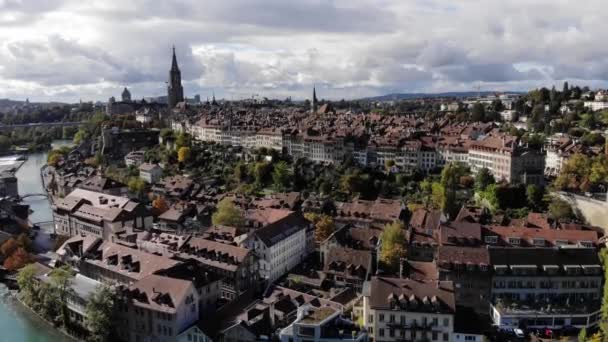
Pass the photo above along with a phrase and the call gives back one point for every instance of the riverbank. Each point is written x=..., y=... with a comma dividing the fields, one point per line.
x=19, y=323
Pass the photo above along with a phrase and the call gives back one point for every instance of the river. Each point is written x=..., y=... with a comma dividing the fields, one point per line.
x=18, y=324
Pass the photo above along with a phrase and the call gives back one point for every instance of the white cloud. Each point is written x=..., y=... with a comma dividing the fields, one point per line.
x=71, y=49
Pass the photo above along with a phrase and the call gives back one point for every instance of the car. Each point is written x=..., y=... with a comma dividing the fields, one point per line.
x=519, y=333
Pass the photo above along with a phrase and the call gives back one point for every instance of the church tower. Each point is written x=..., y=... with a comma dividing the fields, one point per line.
x=175, y=91
x=314, y=103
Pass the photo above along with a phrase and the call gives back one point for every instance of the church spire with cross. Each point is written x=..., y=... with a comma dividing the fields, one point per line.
x=175, y=91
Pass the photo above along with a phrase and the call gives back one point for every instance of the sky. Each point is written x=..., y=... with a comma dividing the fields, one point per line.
x=66, y=50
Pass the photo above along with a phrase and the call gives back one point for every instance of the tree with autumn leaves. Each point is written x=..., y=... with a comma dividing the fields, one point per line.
x=582, y=173
x=393, y=245
x=324, y=225
x=16, y=252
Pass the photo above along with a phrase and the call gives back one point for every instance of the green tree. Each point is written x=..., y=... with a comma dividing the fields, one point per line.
x=182, y=140
x=582, y=335
x=393, y=245
x=61, y=280
x=27, y=284
x=351, y=183
x=281, y=176
x=478, y=112
x=100, y=313
x=483, y=178
x=136, y=185
x=80, y=136
x=534, y=195
x=228, y=214
x=240, y=172
x=5, y=143
x=261, y=171
x=560, y=209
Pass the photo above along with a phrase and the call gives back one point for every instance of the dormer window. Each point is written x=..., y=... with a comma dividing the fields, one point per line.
x=491, y=239
x=588, y=244
x=540, y=242
x=515, y=241
x=561, y=242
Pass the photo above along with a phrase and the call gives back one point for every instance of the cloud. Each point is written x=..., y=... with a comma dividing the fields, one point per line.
x=71, y=49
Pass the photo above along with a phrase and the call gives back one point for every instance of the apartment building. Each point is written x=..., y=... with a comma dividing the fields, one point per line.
x=506, y=160
x=85, y=212
x=545, y=287
x=322, y=324
x=237, y=266
x=110, y=263
x=157, y=308
x=282, y=245
x=398, y=309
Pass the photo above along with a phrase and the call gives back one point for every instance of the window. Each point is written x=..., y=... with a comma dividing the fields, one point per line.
x=492, y=239
x=446, y=322
x=446, y=336
x=434, y=337
x=381, y=332
x=514, y=241
x=391, y=318
x=370, y=319
x=381, y=317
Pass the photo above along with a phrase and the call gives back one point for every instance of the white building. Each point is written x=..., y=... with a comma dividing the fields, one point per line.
x=596, y=105
x=396, y=309
x=85, y=212
x=151, y=173
x=282, y=245
x=323, y=324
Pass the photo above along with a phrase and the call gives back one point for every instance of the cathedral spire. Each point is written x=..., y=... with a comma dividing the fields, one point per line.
x=174, y=61
x=175, y=91
x=314, y=102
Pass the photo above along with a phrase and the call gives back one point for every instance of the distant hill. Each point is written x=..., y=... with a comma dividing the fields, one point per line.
x=410, y=96
x=7, y=104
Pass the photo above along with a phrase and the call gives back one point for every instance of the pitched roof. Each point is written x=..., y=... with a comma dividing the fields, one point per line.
x=282, y=229
x=412, y=295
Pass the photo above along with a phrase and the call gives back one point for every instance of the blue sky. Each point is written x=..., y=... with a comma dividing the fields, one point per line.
x=70, y=49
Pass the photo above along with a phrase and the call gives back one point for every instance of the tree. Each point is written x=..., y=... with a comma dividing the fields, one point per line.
x=261, y=171
x=61, y=280
x=136, y=185
x=324, y=225
x=27, y=284
x=240, y=172
x=483, y=178
x=389, y=164
x=393, y=245
x=534, y=195
x=478, y=112
x=560, y=209
x=183, y=154
x=5, y=143
x=582, y=335
x=100, y=313
x=351, y=183
x=182, y=140
x=281, y=176
x=80, y=136
x=9, y=247
x=228, y=214
x=437, y=195
x=160, y=204
x=17, y=260
x=24, y=241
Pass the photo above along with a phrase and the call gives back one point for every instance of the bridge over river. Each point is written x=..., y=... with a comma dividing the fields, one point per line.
x=4, y=128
